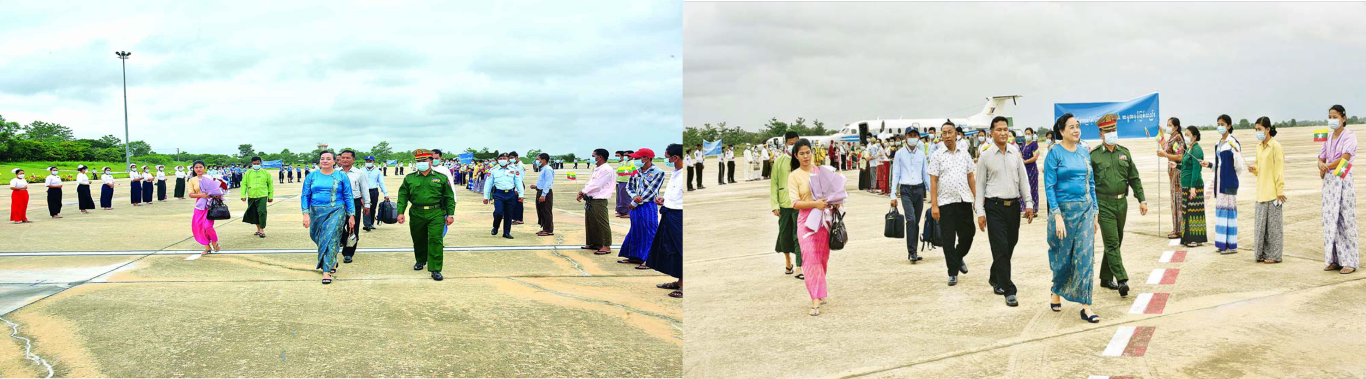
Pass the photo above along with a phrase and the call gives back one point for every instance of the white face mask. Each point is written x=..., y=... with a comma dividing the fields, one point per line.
x=256, y=167
x=502, y=162
x=1334, y=123
x=369, y=165
x=1223, y=129
x=1261, y=136
x=1111, y=138
x=54, y=172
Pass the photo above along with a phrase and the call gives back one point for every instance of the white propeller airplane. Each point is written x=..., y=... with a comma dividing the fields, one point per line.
x=883, y=129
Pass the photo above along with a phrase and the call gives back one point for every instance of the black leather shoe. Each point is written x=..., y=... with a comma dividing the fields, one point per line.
x=508, y=236
x=963, y=268
x=998, y=290
x=1109, y=284
x=493, y=232
x=418, y=266
x=953, y=281
x=1010, y=300
x=347, y=260
x=1124, y=288
x=436, y=275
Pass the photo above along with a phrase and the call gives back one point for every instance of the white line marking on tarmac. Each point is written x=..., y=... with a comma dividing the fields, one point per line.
x=28, y=348
x=1118, y=342
x=192, y=257
x=283, y=251
x=1156, y=276
x=1141, y=303
x=1166, y=256
x=1173, y=242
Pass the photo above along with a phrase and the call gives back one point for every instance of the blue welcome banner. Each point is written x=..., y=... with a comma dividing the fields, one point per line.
x=711, y=147
x=392, y=162
x=466, y=158
x=271, y=164
x=1137, y=117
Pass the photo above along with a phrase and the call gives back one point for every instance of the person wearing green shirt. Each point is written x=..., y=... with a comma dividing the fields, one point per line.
x=1194, y=198
x=433, y=201
x=257, y=190
x=1115, y=173
x=781, y=204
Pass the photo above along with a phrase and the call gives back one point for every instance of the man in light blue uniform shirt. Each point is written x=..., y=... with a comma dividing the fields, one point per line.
x=375, y=177
x=544, y=198
x=504, y=187
x=910, y=176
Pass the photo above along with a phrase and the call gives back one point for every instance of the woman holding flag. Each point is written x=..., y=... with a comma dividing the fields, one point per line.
x=1339, y=195
x=1174, y=149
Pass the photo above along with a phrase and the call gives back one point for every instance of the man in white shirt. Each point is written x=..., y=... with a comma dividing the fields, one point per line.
x=666, y=251
x=766, y=157
x=951, y=196
x=730, y=164
x=687, y=162
x=698, y=160
x=1002, y=186
x=360, y=194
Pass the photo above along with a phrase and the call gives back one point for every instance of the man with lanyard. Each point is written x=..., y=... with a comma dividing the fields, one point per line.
x=503, y=187
x=625, y=169
x=698, y=158
x=433, y=201
x=440, y=167
x=375, y=179
x=1001, y=185
x=515, y=166
x=910, y=175
x=1115, y=173
x=360, y=194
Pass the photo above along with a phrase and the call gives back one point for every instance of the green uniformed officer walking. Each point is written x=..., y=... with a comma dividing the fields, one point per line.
x=432, y=198
x=1115, y=172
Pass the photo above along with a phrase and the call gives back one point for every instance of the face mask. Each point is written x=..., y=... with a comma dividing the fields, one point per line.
x=913, y=143
x=423, y=166
x=256, y=167
x=106, y=171
x=54, y=172
x=502, y=162
x=1223, y=129
x=369, y=165
x=1261, y=136
x=1111, y=138
x=640, y=162
x=1334, y=123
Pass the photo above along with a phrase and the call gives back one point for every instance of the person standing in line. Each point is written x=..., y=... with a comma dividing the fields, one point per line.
x=749, y=164
x=910, y=175
x=766, y=157
x=545, y=199
x=257, y=190
x=360, y=196
x=698, y=161
x=326, y=198
x=720, y=165
x=1174, y=150
x=1227, y=164
x=643, y=187
x=83, y=190
x=503, y=188
x=1267, y=235
x=1194, y=200
x=780, y=202
x=597, y=191
x=135, y=181
x=687, y=161
x=161, y=183
x=18, y=206
x=375, y=181
x=666, y=252
x=54, y=193
x=433, y=201
x=730, y=163
x=202, y=189
x=1339, y=195
x=626, y=169
x=180, y=182
x=1115, y=173
x=1069, y=187
x=147, y=184
x=107, y=189
x=281, y=173
x=1004, y=183
x=952, y=190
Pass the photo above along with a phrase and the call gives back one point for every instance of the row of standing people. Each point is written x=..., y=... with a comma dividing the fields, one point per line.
x=145, y=185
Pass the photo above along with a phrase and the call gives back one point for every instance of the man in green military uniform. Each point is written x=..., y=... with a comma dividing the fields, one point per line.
x=1115, y=172
x=433, y=200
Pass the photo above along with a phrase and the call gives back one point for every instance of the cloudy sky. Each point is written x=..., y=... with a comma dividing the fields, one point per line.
x=565, y=77
x=748, y=62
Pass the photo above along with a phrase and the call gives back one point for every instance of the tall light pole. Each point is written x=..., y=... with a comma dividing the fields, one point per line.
x=127, y=150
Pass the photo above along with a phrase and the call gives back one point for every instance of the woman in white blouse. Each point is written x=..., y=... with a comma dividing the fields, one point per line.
x=107, y=189
x=180, y=182
x=54, y=193
x=83, y=190
x=18, y=206
x=135, y=180
x=147, y=179
x=161, y=183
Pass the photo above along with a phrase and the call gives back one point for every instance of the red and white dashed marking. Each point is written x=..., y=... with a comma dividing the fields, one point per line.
x=1129, y=341
x=1173, y=242
x=1173, y=256
x=1150, y=303
x=1163, y=276
x=1109, y=377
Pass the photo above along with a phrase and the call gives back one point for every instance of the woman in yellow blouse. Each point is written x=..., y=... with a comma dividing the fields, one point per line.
x=1270, y=172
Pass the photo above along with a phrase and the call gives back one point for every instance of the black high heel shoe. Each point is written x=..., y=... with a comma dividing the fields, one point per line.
x=1056, y=307
x=1093, y=319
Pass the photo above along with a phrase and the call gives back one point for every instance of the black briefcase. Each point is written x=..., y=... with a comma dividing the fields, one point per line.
x=895, y=226
x=388, y=214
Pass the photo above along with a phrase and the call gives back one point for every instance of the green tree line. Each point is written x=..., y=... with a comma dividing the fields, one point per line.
x=694, y=135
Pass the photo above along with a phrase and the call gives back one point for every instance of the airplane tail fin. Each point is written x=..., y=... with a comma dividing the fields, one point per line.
x=996, y=106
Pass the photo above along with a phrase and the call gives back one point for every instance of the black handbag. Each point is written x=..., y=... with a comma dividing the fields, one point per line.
x=896, y=225
x=218, y=210
x=839, y=235
x=388, y=214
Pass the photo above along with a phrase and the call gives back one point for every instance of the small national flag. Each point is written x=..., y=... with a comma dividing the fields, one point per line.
x=1320, y=135
x=571, y=176
x=1343, y=169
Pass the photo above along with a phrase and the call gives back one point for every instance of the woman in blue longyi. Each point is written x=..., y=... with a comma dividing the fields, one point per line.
x=1071, y=191
x=326, y=199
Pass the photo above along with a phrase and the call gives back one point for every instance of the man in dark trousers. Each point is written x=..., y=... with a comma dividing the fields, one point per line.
x=951, y=195
x=1002, y=184
x=697, y=159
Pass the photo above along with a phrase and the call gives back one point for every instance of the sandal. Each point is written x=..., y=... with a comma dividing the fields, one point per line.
x=327, y=281
x=1056, y=307
x=1172, y=236
x=668, y=286
x=1093, y=319
x=586, y=247
x=800, y=276
x=789, y=270
x=1270, y=261
x=602, y=252
x=676, y=294
x=1348, y=270
x=815, y=311
x=626, y=261
x=642, y=266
